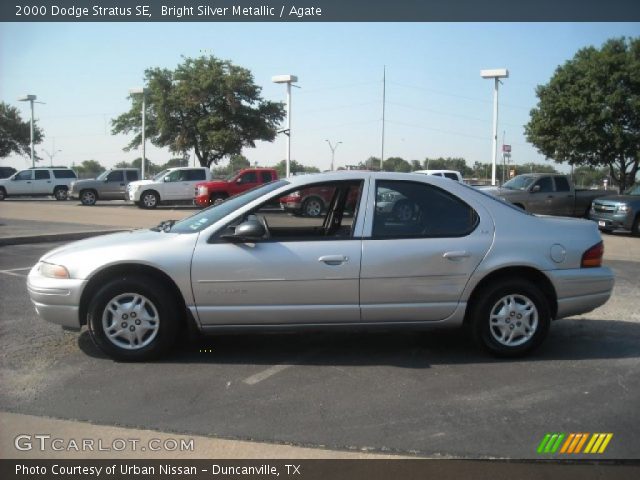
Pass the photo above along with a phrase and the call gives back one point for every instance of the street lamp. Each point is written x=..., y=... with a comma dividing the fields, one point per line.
x=142, y=91
x=31, y=99
x=333, y=151
x=496, y=74
x=288, y=79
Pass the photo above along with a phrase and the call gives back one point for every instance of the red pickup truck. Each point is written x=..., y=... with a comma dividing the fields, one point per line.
x=215, y=191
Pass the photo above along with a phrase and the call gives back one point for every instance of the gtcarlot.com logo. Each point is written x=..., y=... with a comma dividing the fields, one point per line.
x=574, y=443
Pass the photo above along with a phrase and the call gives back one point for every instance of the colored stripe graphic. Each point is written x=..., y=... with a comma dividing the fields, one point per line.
x=573, y=443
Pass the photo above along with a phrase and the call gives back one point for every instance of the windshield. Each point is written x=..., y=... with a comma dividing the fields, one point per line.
x=521, y=182
x=211, y=215
x=160, y=176
x=634, y=190
x=103, y=175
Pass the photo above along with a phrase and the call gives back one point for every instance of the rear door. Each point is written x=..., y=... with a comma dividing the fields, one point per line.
x=42, y=183
x=423, y=244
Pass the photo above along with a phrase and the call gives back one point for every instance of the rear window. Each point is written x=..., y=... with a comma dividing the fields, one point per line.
x=450, y=175
x=67, y=173
x=196, y=175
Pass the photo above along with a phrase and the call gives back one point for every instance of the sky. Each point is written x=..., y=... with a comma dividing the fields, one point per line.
x=437, y=105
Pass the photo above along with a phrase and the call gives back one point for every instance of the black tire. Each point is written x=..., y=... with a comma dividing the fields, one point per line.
x=608, y=231
x=312, y=207
x=158, y=299
x=61, y=193
x=149, y=199
x=3, y=194
x=88, y=197
x=492, y=301
x=635, y=228
x=217, y=198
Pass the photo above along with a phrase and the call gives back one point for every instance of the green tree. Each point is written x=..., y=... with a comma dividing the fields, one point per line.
x=589, y=112
x=396, y=164
x=458, y=164
x=15, y=134
x=294, y=168
x=176, y=162
x=206, y=104
x=89, y=169
x=416, y=165
x=236, y=162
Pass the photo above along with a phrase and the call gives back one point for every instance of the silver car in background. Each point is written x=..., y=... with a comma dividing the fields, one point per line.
x=455, y=256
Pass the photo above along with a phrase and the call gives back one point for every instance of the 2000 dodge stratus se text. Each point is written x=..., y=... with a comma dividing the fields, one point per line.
x=377, y=249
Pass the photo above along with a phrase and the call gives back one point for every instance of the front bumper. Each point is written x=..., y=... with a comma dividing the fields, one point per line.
x=56, y=300
x=202, y=200
x=581, y=290
x=612, y=221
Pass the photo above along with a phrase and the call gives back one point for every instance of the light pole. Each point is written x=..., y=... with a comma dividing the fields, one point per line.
x=333, y=151
x=496, y=74
x=288, y=79
x=143, y=91
x=31, y=99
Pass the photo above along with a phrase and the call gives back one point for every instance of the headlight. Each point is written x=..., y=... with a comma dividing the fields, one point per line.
x=203, y=190
x=623, y=208
x=53, y=271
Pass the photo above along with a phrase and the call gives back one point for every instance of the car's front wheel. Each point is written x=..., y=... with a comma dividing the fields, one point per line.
x=133, y=318
x=149, y=199
x=88, y=197
x=510, y=317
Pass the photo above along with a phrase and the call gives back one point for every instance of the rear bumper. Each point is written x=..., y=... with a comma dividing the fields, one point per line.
x=581, y=290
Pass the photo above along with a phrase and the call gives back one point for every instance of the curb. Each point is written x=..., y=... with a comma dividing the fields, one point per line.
x=54, y=237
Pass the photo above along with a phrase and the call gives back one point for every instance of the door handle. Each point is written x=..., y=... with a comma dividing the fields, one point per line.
x=456, y=255
x=29, y=182
x=333, y=259
x=48, y=181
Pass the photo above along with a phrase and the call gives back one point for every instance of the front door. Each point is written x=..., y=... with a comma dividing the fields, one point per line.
x=21, y=184
x=306, y=272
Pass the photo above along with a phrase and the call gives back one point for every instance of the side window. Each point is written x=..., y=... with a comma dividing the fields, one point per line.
x=267, y=176
x=117, y=176
x=42, y=175
x=132, y=175
x=412, y=209
x=332, y=216
x=24, y=175
x=67, y=173
x=176, y=176
x=562, y=184
x=196, y=174
x=545, y=183
x=249, y=177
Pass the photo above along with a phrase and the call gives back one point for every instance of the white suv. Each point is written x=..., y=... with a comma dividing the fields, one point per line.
x=451, y=174
x=38, y=182
x=174, y=185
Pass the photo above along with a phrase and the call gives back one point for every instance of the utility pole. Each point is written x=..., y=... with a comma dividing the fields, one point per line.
x=384, y=88
x=53, y=152
x=496, y=75
x=333, y=152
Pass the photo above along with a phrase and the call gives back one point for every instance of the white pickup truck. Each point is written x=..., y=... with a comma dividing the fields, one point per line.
x=174, y=185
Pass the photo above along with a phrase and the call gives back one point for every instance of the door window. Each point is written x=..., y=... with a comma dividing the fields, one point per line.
x=132, y=175
x=414, y=210
x=24, y=175
x=195, y=175
x=177, y=176
x=545, y=184
x=562, y=184
x=249, y=177
x=267, y=176
x=117, y=176
x=66, y=173
x=335, y=221
x=42, y=175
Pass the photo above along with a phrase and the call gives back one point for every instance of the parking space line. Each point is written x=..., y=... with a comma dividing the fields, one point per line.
x=12, y=271
x=275, y=369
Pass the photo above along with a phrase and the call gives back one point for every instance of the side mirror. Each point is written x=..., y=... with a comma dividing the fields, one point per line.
x=535, y=189
x=239, y=180
x=166, y=179
x=248, y=231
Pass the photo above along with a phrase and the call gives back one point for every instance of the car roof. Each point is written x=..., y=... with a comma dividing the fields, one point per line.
x=363, y=174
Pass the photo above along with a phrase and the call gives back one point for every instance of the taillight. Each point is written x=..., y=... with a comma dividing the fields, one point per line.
x=593, y=256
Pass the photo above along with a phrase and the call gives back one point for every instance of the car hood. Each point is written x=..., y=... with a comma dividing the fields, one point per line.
x=141, y=182
x=215, y=183
x=86, y=181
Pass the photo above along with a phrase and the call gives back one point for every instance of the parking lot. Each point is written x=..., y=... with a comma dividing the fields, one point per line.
x=427, y=394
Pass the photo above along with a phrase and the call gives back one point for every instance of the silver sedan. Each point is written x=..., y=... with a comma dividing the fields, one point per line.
x=455, y=256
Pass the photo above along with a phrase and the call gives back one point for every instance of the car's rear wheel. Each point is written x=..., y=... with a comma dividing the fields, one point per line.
x=133, y=318
x=88, y=197
x=60, y=193
x=510, y=317
x=149, y=199
x=312, y=207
